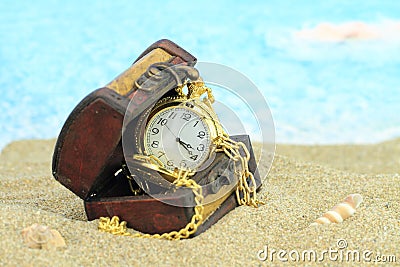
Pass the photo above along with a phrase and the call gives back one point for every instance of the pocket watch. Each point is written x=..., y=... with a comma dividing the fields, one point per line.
x=180, y=136
x=180, y=131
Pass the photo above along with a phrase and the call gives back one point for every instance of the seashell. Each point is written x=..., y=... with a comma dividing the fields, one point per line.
x=42, y=237
x=341, y=211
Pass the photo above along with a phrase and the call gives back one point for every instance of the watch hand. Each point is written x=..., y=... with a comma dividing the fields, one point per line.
x=185, y=146
x=170, y=131
x=183, y=143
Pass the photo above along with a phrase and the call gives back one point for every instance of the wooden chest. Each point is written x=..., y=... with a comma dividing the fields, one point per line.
x=88, y=155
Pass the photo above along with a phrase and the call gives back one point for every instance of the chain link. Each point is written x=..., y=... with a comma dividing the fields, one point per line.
x=245, y=193
x=114, y=227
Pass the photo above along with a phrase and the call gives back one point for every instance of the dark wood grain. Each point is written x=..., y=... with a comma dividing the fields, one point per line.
x=143, y=213
x=88, y=153
x=173, y=49
x=88, y=142
x=150, y=215
x=88, y=149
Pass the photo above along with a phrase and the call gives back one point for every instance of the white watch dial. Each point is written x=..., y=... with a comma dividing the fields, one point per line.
x=179, y=137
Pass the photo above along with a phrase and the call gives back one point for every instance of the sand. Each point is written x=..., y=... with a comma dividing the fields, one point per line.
x=382, y=158
x=303, y=183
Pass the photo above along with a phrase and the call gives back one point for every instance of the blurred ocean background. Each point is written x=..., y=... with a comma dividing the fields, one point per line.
x=53, y=53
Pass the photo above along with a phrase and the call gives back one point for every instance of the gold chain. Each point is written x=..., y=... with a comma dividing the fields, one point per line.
x=246, y=194
x=114, y=227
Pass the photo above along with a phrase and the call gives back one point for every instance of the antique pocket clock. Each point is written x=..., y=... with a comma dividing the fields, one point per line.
x=180, y=135
x=150, y=149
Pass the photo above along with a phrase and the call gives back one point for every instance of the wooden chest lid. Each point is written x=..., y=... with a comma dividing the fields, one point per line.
x=88, y=151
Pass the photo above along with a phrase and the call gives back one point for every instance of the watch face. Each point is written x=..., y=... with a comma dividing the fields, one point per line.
x=179, y=137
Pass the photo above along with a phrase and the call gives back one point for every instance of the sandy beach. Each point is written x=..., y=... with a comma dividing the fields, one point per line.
x=303, y=183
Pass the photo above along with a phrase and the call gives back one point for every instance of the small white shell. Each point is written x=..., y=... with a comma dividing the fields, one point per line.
x=42, y=237
x=341, y=211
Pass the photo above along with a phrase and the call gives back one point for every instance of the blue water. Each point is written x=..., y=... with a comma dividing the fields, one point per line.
x=53, y=53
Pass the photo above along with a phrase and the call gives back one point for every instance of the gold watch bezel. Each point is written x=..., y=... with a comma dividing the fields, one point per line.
x=203, y=109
